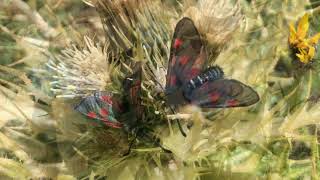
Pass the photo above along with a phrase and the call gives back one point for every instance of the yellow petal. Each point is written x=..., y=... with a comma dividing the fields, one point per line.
x=302, y=51
x=303, y=45
x=314, y=39
x=302, y=58
x=293, y=33
x=303, y=26
x=311, y=52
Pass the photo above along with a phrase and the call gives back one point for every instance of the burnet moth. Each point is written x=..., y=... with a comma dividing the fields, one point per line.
x=188, y=81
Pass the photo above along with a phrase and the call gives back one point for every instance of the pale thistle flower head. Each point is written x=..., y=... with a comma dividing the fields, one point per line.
x=160, y=76
x=79, y=72
x=215, y=19
x=128, y=22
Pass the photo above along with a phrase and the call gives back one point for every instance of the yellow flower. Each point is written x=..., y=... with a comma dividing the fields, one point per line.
x=298, y=40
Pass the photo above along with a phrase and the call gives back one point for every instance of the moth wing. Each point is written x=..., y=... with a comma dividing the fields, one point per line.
x=187, y=55
x=99, y=107
x=132, y=86
x=223, y=93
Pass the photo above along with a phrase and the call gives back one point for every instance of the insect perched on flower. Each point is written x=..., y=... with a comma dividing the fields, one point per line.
x=99, y=106
x=188, y=80
x=120, y=112
x=105, y=107
x=302, y=45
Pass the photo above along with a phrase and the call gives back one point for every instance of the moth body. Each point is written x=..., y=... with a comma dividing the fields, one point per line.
x=211, y=74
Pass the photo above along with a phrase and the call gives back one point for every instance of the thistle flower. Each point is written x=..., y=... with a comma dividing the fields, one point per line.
x=302, y=45
x=127, y=22
x=216, y=20
x=79, y=72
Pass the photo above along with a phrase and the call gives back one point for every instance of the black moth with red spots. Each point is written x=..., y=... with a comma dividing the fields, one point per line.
x=188, y=80
x=99, y=106
x=128, y=109
x=108, y=109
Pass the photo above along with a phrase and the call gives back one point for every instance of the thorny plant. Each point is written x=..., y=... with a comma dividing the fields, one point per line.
x=42, y=136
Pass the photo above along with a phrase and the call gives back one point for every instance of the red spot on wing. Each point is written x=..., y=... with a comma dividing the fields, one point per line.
x=232, y=103
x=173, y=61
x=111, y=124
x=214, y=97
x=137, y=83
x=184, y=59
x=115, y=125
x=106, y=99
x=104, y=112
x=134, y=93
x=173, y=80
x=193, y=73
x=177, y=43
x=92, y=115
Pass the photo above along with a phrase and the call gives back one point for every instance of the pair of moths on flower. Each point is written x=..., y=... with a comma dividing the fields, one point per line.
x=188, y=81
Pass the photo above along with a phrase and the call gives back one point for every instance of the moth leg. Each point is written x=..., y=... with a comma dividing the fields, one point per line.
x=131, y=144
x=163, y=148
x=155, y=140
x=181, y=129
x=189, y=125
x=179, y=124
